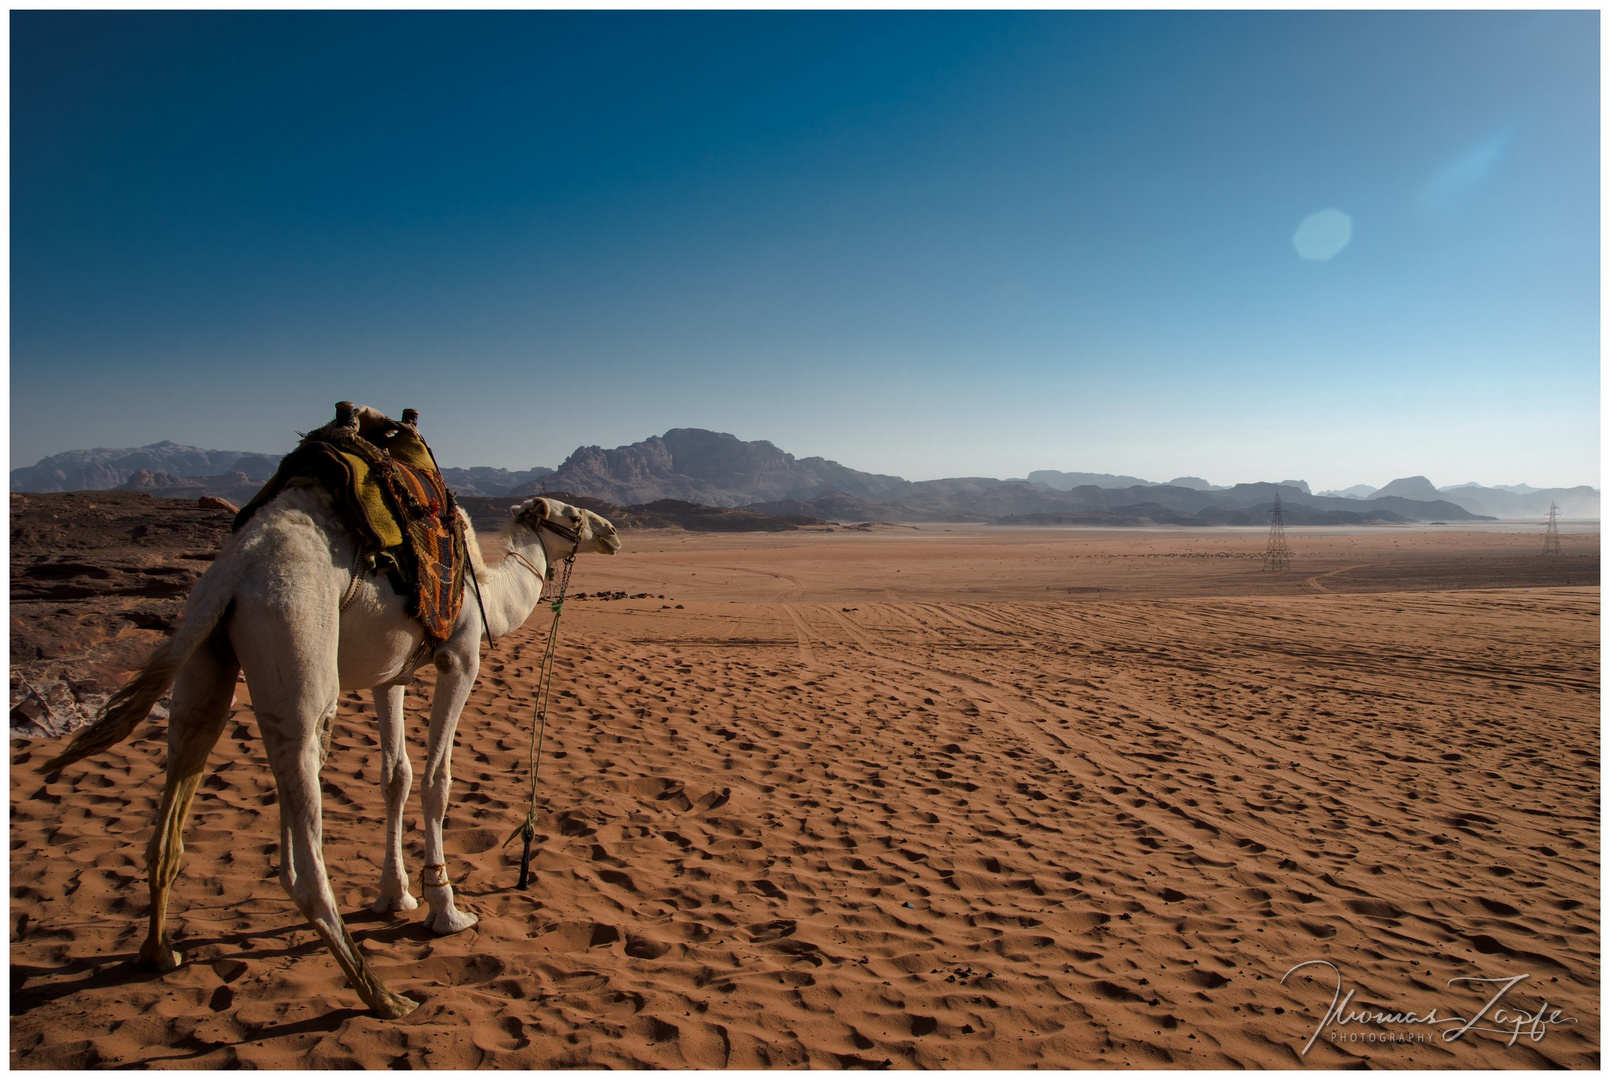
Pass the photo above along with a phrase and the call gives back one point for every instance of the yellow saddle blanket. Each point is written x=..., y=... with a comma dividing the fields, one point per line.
x=385, y=484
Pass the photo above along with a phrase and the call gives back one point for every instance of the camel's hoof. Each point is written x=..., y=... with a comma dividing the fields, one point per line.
x=161, y=958
x=393, y=1007
x=388, y=904
x=452, y=921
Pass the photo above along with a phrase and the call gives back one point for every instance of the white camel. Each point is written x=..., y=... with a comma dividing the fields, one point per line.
x=271, y=605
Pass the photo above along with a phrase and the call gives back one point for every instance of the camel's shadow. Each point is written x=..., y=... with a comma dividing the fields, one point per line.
x=316, y=1025
x=125, y=969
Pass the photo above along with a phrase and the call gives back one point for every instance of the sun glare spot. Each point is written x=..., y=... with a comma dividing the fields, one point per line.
x=1460, y=180
x=1323, y=235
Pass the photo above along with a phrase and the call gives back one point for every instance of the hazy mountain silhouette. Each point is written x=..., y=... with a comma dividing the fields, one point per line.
x=102, y=469
x=484, y=480
x=1194, y=482
x=1017, y=502
x=1066, y=481
x=1409, y=487
x=1574, y=502
x=1510, y=501
x=708, y=468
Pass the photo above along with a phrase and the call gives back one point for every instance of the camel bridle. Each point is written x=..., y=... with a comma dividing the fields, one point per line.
x=564, y=532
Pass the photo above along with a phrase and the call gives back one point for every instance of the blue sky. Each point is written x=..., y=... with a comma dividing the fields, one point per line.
x=929, y=244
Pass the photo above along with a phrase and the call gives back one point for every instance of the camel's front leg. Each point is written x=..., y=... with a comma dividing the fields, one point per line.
x=396, y=777
x=456, y=672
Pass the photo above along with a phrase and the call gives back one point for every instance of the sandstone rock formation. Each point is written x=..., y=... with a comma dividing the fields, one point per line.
x=708, y=467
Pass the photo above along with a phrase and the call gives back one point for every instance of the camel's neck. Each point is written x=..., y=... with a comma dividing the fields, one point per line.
x=512, y=589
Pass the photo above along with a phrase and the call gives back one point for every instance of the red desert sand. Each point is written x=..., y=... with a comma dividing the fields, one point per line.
x=940, y=797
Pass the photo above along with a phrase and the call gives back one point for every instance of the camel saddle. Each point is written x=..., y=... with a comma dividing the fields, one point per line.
x=385, y=485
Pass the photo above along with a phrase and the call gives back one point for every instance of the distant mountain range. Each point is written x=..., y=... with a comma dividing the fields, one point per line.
x=707, y=467
x=1067, y=481
x=1019, y=502
x=691, y=465
x=484, y=480
x=99, y=470
x=1500, y=502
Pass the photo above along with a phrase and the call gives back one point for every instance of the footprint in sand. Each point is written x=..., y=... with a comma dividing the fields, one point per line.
x=645, y=948
x=771, y=930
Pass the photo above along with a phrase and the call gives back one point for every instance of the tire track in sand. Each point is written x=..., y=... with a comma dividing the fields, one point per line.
x=806, y=656
x=1314, y=581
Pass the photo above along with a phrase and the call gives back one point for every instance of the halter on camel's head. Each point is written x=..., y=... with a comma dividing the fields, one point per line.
x=571, y=524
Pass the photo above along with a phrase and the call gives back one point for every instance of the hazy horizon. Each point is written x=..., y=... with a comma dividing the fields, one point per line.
x=1343, y=247
x=1221, y=482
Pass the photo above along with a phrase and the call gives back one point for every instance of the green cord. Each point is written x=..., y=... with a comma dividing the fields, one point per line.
x=539, y=724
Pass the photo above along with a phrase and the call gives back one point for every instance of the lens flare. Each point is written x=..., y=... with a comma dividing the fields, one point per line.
x=1323, y=235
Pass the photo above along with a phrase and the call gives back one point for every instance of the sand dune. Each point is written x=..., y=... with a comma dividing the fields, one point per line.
x=914, y=798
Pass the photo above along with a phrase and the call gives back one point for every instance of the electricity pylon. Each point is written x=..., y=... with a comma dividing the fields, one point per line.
x=1278, y=555
x=1551, y=538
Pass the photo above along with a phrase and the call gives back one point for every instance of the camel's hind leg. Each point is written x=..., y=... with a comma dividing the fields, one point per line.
x=295, y=734
x=202, y=694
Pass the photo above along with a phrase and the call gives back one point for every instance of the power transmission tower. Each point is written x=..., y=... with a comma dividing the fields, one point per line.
x=1551, y=538
x=1278, y=555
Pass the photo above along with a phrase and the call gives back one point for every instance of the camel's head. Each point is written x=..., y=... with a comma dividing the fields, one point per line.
x=568, y=524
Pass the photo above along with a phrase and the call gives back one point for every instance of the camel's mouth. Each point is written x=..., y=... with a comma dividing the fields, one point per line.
x=608, y=544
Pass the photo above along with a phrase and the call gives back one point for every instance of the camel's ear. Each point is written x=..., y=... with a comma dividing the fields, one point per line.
x=532, y=508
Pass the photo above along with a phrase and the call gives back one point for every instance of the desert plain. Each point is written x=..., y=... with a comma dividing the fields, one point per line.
x=894, y=797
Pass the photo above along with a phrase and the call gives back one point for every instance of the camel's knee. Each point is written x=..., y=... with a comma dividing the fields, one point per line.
x=399, y=780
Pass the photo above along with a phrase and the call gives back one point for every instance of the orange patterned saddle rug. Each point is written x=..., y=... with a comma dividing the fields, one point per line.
x=385, y=484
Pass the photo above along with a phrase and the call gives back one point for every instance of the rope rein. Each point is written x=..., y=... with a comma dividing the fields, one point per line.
x=529, y=565
x=527, y=829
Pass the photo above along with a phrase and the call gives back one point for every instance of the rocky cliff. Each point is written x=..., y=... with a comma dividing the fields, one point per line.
x=708, y=467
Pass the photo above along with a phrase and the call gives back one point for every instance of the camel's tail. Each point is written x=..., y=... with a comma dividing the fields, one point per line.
x=133, y=703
